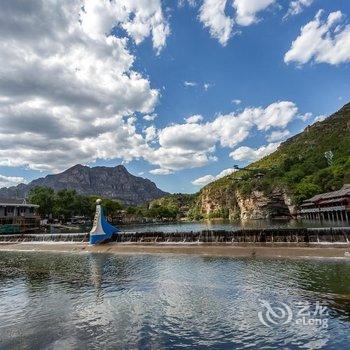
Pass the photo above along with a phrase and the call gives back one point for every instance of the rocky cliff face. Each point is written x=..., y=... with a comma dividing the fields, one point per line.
x=258, y=205
x=114, y=183
x=255, y=206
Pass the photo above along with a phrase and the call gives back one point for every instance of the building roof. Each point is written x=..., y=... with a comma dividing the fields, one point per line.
x=343, y=192
x=16, y=202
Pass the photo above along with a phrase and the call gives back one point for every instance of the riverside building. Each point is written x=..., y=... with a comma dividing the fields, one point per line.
x=17, y=216
x=333, y=206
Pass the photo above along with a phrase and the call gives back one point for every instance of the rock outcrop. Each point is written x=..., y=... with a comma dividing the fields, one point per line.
x=255, y=206
x=109, y=182
x=258, y=205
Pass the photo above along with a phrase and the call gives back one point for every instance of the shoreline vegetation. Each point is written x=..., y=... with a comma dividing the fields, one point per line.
x=63, y=205
x=338, y=251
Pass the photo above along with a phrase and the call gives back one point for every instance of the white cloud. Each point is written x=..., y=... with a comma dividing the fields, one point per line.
x=190, y=83
x=297, y=6
x=250, y=154
x=278, y=135
x=320, y=118
x=150, y=133
x=150, y=117
x=177, y=158
x=194, y=119
x=236, y=102
x=191, y=3
x=161, y=172
x=206, y=86
x=247, y=10
x=212, y=15
x=69, y=92
x=66, y=83
x=305, y=117
x=204, y=180
x=188, y=137
x=192, y=145
x=277, y=114
x=8, y=181
x=139, y=19
x=322, y=41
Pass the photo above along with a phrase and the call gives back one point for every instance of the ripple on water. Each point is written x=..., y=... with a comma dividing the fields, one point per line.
x=144, y=301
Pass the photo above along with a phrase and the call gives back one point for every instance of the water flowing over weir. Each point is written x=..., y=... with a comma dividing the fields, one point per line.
x=273, y=235
x=300, y=236
x=37, y=237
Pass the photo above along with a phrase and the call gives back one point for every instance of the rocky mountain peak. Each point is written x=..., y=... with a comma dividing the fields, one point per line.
x=110, y=182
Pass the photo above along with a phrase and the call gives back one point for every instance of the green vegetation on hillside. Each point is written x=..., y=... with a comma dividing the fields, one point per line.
x=314, y=161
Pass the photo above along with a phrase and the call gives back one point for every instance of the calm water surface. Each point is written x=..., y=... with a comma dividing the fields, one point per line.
x=79, y=301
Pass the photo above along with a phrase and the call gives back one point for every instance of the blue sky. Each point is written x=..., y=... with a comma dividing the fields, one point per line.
x=184, y=71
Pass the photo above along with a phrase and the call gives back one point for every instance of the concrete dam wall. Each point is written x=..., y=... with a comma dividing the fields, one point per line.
x=298, y=236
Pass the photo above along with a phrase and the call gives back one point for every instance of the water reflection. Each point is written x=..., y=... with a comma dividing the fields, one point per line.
x=143, y=301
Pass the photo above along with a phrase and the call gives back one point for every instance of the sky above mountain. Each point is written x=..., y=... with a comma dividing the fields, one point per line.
x=177, y=91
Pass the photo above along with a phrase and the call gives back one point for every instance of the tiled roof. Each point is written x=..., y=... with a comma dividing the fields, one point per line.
x=16, y=201
x=343, y=192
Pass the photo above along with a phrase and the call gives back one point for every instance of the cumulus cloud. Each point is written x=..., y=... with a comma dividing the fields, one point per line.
x=187, y=137
x=320, y=118
x=138, y=18
x=150, y=117
x=278, y=135
x=67, y=86
x=246, y=11
x=245, y=153
x=213, y=16
x=297, y=6
x=305, y=117
x=8, y=181
x=161, y=171
x=150, y=133
x=204, y=180
x=194, y=119
x=193, y=143
x=322, y=41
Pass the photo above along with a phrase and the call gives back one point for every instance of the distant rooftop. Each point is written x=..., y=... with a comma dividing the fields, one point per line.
x=16, y=202
x=343, y=192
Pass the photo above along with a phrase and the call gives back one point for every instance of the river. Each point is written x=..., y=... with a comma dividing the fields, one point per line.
x=100, y=301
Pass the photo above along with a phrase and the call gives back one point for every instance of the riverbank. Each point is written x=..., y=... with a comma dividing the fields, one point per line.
x=224, y=250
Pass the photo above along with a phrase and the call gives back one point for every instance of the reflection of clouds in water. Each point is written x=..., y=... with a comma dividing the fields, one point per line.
x=221, y=302
x=156, y=301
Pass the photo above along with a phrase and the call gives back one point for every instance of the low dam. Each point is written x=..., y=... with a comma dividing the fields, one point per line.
x=296, y=236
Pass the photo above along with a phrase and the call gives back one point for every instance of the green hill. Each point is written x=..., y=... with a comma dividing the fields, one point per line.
x=314, y=161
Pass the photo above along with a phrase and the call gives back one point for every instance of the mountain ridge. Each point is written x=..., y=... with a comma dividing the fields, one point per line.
x=109, y=182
